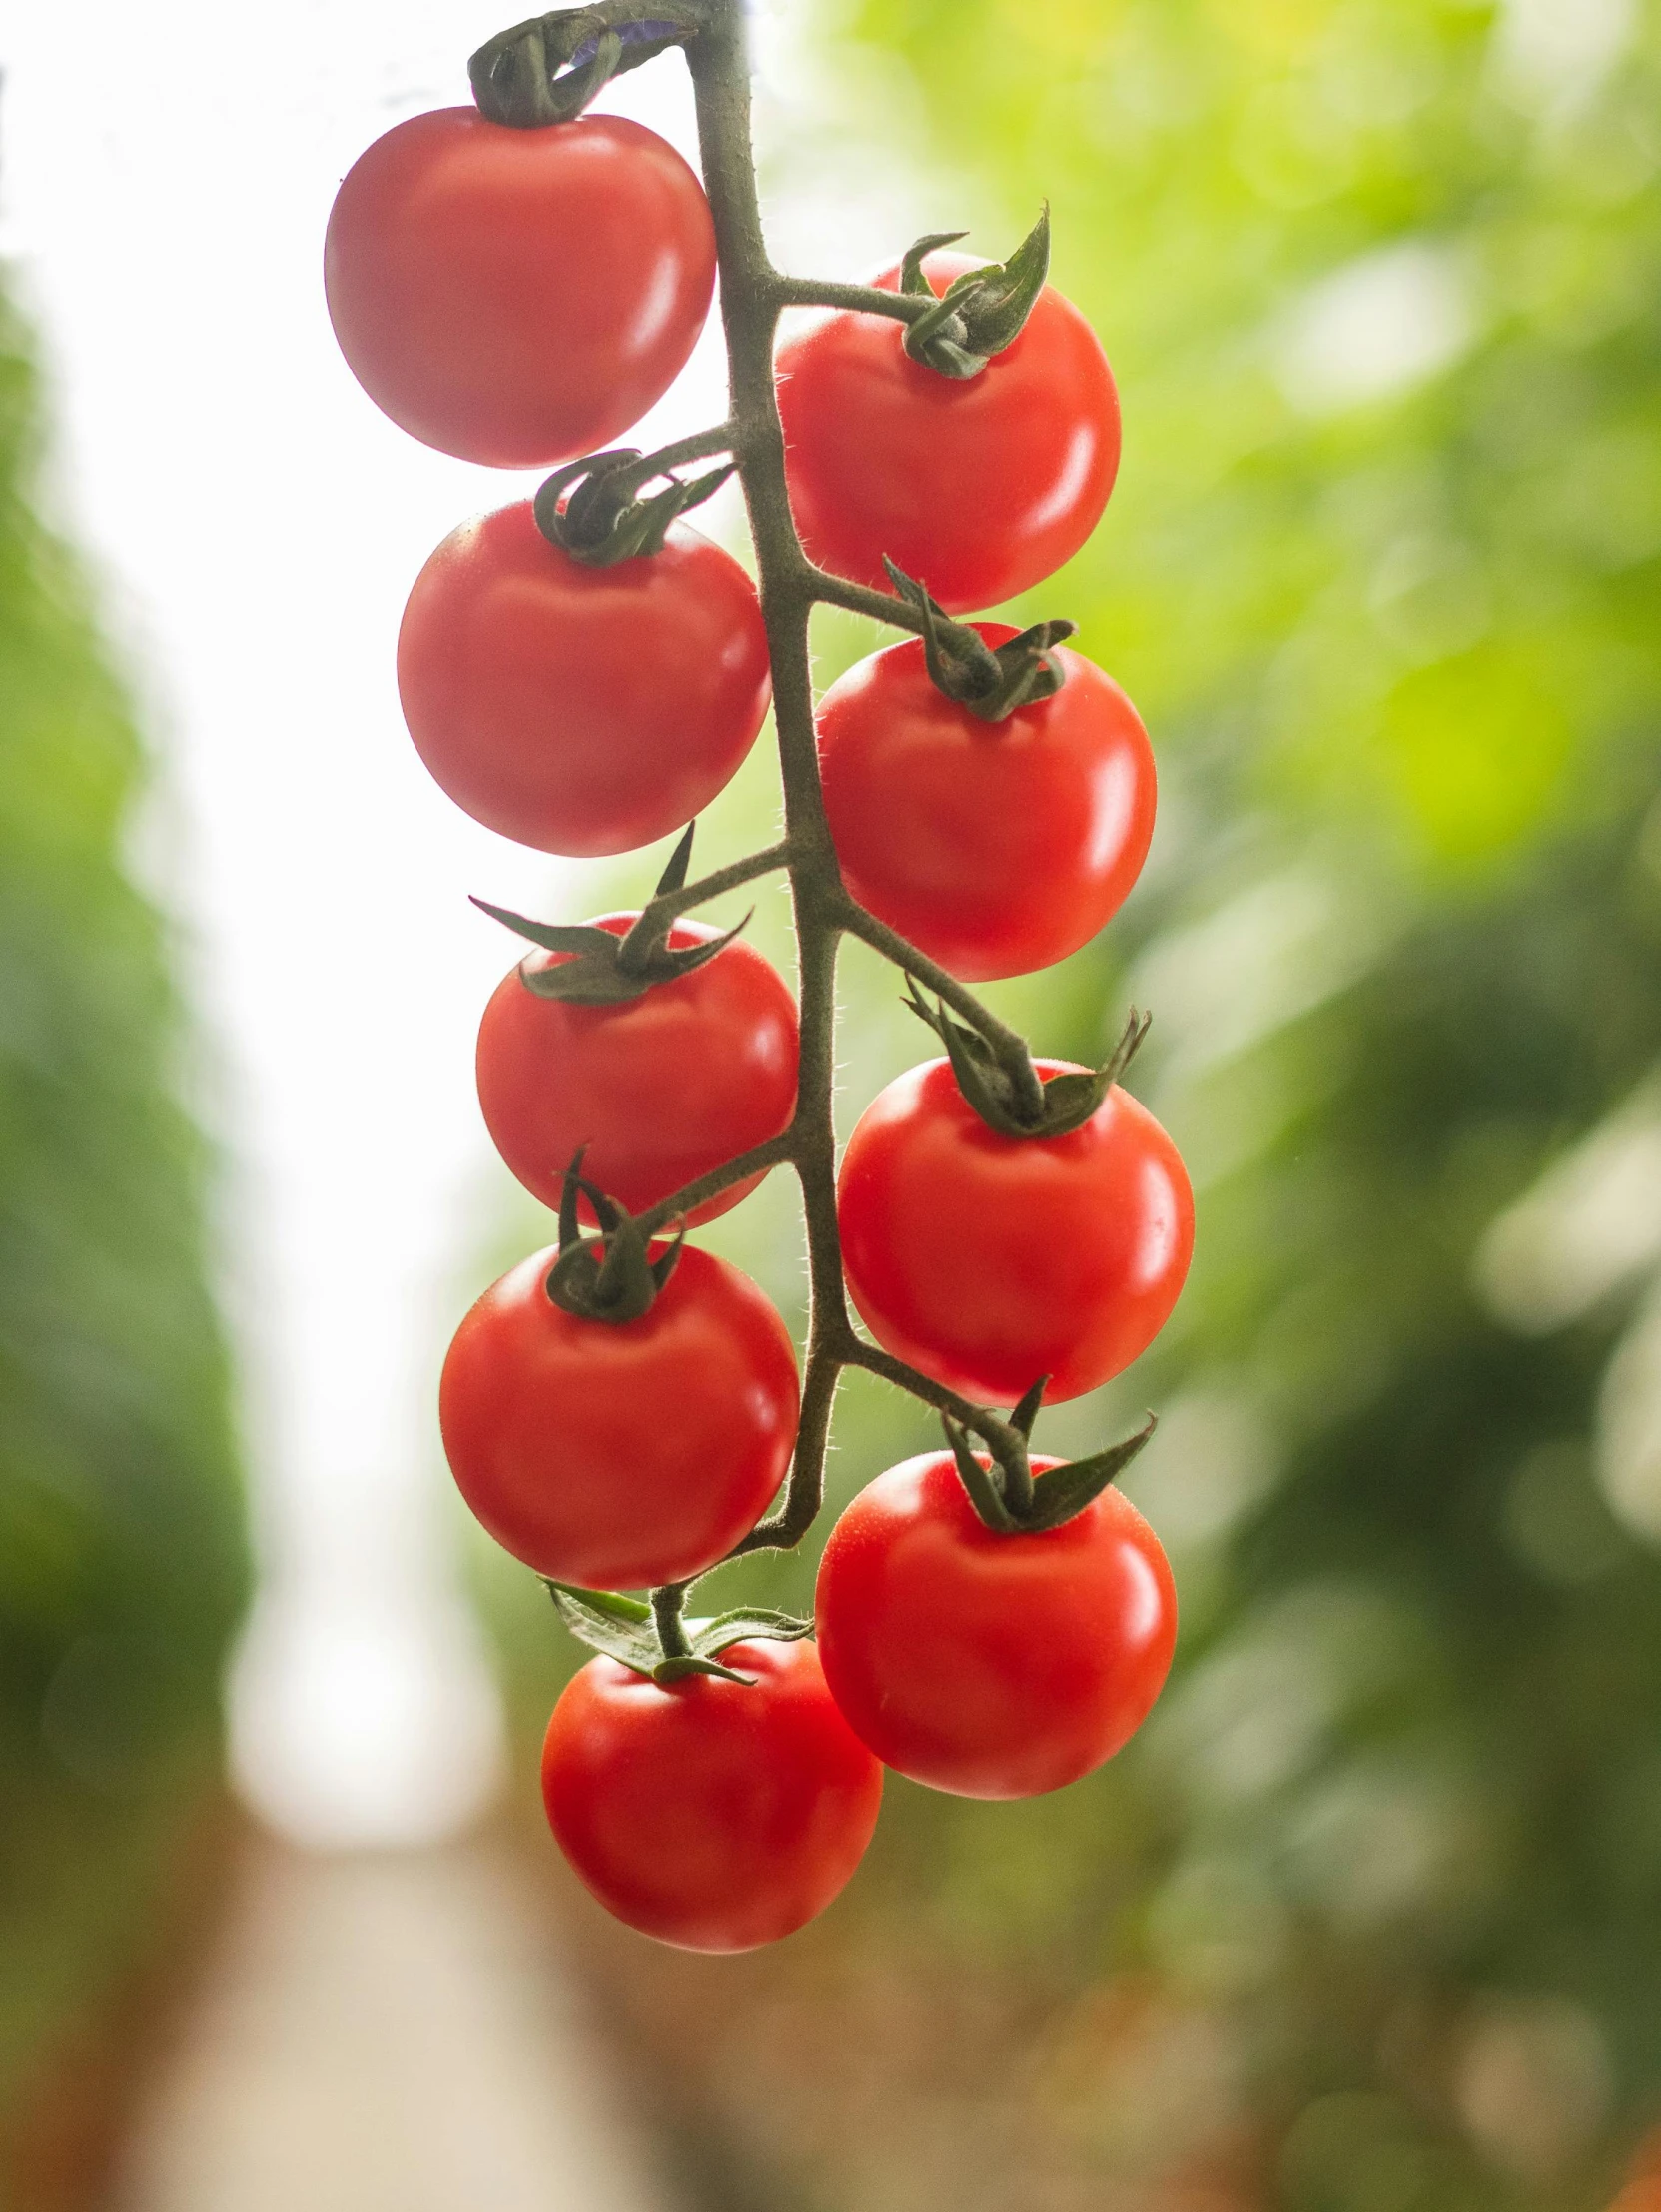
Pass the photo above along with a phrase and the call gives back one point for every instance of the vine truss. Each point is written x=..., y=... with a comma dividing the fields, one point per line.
x=544, y=71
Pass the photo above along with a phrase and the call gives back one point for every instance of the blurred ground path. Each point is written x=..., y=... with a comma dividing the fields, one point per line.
x=387, y=2034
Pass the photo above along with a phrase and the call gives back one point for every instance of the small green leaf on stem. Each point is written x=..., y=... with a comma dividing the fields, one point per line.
x=991, y=682
x=627, y=1629
x=602, y=521
x=614, y=1277
x=979, y=312
x=992, y=1084
x=515, y=76
x=673, y=877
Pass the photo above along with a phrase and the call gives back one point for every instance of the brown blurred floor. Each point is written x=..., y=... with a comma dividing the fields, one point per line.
x=387, y=2034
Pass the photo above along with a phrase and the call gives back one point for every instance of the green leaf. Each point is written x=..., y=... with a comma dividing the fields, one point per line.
x=982, y=1485
x=710, y=1638
x=553, y=936
x=1063, y=1492
x=673, y=877
x=911, y=280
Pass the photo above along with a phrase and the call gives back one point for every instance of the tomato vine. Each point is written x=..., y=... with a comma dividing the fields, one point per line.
x=517, y=672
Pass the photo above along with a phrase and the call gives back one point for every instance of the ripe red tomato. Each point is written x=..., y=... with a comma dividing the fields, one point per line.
x=620, y=1455
x=517, y=297
x=991, y=1666
x=662, y=1089
x=990, y=1261
x=712, y=1814
x=580, y=710
x=978, y=489
x=995, y=847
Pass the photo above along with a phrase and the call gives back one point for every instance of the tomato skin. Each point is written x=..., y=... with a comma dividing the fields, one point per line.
x=991, y=1666
x=995, y=847
x=580, y=710
x=979, y=488
x=620, y=1455
x=662, y=1089
x=990, y=1261
x=710, y=1815
x=517, y=297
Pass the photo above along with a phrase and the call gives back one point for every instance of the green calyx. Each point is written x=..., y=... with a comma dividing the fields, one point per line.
x=610, y=1277
x=548, y=70
x=990, y=681
x=640, y=1635
x=606, y=969
x=602, y=521
x=1002, y=1090
x=979, y=312
x=1009, y=1499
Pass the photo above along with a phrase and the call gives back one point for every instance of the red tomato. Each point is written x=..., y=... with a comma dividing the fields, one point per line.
x=995, y=847
x=990, y=1261
x=978, y=489
x=712, y=1814
x=580, y=710
x=517, y=297
x=620, y=1455
x=991, y=1666
x=662, y=1089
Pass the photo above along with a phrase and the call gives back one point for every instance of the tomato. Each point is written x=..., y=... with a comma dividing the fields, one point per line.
x=977, y=489
x=990, y=1261
x=517, y=297
x=620, y=1455
x=995, y=847
x=662, y=1089
x=580, y=710
x=713, y=1815
x=991, y=1666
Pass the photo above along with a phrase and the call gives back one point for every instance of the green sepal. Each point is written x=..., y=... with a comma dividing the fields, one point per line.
x=979, y=312
x=986, y=1493
x=996, y=1089
x=626, y=1630
x=911, y=280
x=1064, y=1491
x=602, y=522
x=1026, y=1413
x=516, y=75
x=988, y=681
x=598, y=975
x=1057, y=1496
x=673, y=877
x=611, y=1277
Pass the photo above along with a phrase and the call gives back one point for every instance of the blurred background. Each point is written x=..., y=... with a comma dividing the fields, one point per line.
x=1368, y=1918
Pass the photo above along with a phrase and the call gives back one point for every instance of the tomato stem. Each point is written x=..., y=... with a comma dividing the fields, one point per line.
x=666, y=1605
x=817, y=292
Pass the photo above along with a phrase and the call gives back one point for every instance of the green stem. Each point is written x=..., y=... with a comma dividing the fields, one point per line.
x=666, y=1605
x=818, y=291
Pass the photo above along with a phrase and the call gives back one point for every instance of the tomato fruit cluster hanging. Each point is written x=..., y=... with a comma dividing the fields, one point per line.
x=517, y=283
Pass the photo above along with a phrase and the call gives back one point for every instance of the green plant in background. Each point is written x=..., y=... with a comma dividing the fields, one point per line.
x=1368, y=1916
x=122, y=1564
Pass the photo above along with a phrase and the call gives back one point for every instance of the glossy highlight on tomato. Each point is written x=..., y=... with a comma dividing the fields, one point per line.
x=580, y=710
x=519, y=298
x=979, y=488
x=715, y=1815
x=995, y=847
x=989, y=1261
x=986, y=1664
x=619, y=1455
x=661, y=1089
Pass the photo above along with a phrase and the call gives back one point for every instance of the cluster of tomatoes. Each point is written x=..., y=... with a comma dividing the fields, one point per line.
x=620, y=1409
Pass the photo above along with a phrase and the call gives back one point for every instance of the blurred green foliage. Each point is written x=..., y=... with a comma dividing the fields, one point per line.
x=122, y=1564
x=1367, y=1919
